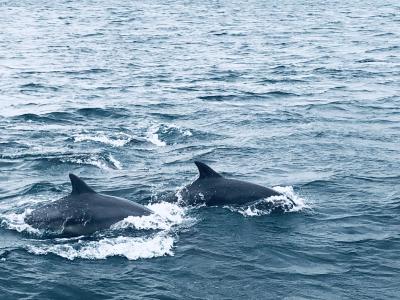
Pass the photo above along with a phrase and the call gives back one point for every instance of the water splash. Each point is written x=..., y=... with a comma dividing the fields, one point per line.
x=114, y=140
x=152, y=137
x=300, y=203
x=132, y=248
x=116, y=163
x=163, y=134
x=101, y=161
x=166, y=215
x=15, y=221
x=282, y=203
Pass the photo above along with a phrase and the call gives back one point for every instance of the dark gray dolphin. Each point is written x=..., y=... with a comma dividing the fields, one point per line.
x=83, y=211
x=212, y=189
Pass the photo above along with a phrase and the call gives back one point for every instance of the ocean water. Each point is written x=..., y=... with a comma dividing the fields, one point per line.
x=300, y=95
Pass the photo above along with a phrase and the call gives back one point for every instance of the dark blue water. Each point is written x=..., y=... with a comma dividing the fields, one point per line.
x=300, y=95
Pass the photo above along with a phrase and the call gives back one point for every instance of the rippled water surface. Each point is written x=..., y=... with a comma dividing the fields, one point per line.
x=299, y=95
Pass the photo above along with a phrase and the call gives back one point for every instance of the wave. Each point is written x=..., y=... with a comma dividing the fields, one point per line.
x=393, y=178
x=217, y=97
x=104, y=161
x=85, y=71
x=47, y=156
x=101, y=161
x=152, y=137
x=37, y=87
x=163, y=134
x=242, y=95
x=69, y=117
x=115, y=140
x=132, y=248
x=98, y=112
x=47, y=118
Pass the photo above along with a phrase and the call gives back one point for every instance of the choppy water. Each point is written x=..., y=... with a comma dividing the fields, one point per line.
x=300, y=95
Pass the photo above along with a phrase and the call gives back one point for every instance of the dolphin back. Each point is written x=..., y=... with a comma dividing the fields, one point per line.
x=212, y=188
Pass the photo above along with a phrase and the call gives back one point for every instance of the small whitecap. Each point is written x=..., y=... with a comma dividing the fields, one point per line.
x=105, y=162
x=183, y=131
x=152, y=137
x=187, y=132
x=115, y=140
x=116, y=163
x=94, y=161
x=156, y=133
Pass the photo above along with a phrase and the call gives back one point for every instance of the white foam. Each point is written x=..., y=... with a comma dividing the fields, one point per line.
x=301, y=203
x=16, y=222
x=166, y=218
x=132, y=248
x=96, y=160
x=179, y=195
x=152, y=136
x=166, y=215
x=117, y=164
x=255, y=209
x=185, y=132
x=154, y=131
x=181, y=201
x=117, y=140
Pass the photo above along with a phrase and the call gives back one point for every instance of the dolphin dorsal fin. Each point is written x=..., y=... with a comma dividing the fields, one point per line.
x=205, y=171
x=79, y=186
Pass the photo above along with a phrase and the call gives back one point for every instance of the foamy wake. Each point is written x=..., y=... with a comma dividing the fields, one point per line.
x=132, y=248
x=166, y=220
x=166, y=216
x=268, y=205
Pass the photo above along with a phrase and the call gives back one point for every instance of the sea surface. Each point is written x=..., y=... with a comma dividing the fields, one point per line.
x=303, y=96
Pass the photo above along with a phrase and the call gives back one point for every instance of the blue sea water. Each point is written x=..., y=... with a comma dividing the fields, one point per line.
x=300, y=95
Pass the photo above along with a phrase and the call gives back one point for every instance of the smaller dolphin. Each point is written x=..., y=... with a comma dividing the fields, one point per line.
x=212, y=189
x=83, y=211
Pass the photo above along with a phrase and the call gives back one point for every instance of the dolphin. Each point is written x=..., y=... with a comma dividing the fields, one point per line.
x=212, y=189
x=83, y=212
